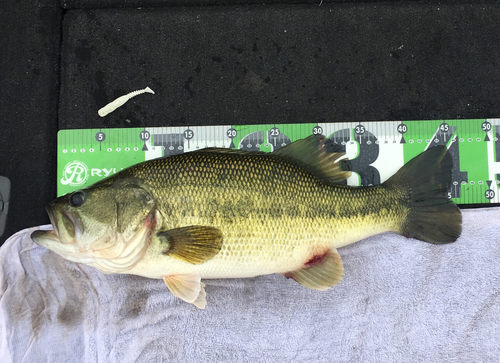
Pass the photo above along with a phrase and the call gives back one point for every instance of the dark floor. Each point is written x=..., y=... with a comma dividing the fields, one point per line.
x=228, y=62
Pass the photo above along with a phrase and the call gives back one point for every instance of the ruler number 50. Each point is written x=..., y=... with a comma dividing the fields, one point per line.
x=486, y=126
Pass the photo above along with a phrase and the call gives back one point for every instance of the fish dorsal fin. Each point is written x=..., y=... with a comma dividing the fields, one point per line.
x=188, y=288
x=192, y=244
x=321, y=272
x=312, y=154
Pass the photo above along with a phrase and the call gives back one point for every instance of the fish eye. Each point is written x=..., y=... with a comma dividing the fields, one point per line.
x=77, y=199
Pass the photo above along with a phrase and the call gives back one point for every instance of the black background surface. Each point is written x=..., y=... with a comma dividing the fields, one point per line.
x=230, y=64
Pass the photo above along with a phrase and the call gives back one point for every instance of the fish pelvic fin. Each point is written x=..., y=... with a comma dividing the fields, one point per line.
x=188, y=288
x=423, y=183
x=192, y=244
x=320, y=272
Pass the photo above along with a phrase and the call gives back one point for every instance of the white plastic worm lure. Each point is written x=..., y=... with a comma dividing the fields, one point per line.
x=120, y=101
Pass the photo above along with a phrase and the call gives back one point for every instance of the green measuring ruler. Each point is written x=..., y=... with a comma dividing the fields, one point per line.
x=376, y=149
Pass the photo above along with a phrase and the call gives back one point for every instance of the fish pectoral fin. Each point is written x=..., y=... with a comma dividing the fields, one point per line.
x=320, y=272
x=193, y=244
x=188, y=288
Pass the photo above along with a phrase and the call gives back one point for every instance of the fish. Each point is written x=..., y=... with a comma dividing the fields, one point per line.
x=220, y=213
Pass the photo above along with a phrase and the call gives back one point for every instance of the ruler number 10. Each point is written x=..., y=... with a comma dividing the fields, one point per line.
x=145, y=135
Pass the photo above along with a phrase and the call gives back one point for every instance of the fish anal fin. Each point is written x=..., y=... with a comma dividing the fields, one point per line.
x=192, y=244
x=320, y=272
x=188, y=288
x=312, y=154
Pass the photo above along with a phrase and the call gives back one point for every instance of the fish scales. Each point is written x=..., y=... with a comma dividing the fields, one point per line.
x=270, y=211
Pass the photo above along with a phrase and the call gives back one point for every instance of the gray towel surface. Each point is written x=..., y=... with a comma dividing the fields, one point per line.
x=401, y=300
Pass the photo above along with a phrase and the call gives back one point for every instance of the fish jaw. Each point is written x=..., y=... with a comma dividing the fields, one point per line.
x=50, y=240
x=67, y=225
x=45, y=238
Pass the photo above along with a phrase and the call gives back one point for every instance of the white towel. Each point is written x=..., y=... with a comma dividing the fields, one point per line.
x=401, y=300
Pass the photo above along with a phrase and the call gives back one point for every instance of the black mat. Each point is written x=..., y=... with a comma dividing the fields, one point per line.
x=29, y=91
x=279, y=63
x=231, y=65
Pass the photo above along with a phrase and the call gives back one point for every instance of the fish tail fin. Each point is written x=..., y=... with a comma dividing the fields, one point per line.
x=423, y=184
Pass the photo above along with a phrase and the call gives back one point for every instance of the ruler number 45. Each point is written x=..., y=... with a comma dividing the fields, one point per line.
x=444, y=127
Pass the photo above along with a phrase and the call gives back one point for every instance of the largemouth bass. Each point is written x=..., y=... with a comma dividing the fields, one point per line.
x=219, y=213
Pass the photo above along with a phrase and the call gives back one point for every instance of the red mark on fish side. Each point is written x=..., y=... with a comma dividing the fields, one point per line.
x=316, y=259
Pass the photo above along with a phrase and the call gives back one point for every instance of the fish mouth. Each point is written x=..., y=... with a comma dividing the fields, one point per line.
x=67, y=225
x=44, y=238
